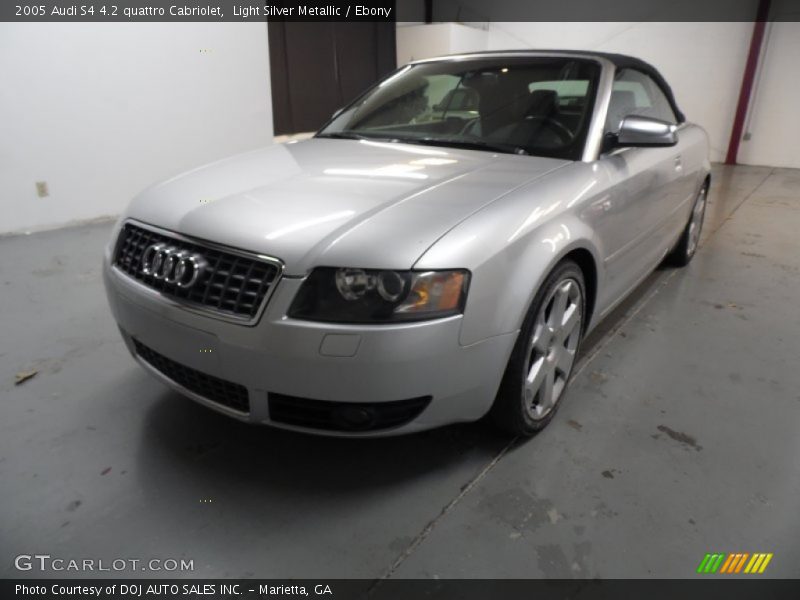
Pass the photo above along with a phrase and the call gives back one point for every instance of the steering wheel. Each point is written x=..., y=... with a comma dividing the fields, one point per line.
x=562, y=132
x=468, y=129
x=565, y=136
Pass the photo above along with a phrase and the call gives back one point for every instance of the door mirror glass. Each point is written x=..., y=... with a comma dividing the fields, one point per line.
x=646, y=131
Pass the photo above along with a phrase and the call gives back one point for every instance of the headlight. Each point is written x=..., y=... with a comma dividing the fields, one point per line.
x=373, y=296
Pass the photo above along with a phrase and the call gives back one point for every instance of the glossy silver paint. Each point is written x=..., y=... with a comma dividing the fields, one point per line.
x=508, y=219
x=643, y=131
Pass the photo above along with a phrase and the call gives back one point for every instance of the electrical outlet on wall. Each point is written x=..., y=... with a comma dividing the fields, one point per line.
x=41, y=189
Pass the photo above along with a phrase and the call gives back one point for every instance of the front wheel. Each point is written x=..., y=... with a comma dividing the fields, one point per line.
x=686, y=247
x=541, y=363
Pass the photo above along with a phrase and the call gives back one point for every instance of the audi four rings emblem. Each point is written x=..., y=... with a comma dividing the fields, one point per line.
x=172, y=265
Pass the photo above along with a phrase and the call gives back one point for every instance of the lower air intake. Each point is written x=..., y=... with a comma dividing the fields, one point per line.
x=213, y=388
x=344, y=416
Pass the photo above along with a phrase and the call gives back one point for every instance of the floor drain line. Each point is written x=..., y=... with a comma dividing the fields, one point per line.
x=432, y=524
x=475, y=480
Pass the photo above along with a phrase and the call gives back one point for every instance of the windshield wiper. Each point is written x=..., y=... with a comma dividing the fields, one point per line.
x=468, y=144
x=350, y=135
x=429, y=141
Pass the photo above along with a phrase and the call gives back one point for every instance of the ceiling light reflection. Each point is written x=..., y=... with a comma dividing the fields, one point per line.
x=537, y=214
x=309, y=223
x=405, y=171
x=562, y=235
x=433, y=161
x=582, y=193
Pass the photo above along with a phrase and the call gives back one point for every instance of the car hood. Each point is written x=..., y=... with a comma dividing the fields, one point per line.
x=336, y=202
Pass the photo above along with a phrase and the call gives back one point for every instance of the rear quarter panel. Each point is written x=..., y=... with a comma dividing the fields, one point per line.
x=694, y=147
x=695, y=155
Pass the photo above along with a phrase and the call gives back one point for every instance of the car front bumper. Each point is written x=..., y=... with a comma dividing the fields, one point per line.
x=304, y=361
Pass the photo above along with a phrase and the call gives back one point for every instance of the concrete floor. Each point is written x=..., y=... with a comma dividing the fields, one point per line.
x=679, y=437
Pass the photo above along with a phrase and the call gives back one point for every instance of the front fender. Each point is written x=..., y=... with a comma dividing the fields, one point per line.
x=503, y=287
x=512, y=245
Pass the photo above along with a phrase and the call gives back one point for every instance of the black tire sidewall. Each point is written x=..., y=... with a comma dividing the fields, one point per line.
x=508, y=411
x=680, y=254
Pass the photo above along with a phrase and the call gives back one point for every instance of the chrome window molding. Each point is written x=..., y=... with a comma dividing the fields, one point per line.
x=594, y=137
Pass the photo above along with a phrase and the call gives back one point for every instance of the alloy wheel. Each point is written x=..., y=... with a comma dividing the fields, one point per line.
x=696, y=224
x=552, y=348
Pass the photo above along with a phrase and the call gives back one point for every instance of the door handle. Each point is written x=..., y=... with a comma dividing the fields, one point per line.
x=678, y=163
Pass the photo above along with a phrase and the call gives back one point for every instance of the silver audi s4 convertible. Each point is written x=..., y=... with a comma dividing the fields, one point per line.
x=434, y=254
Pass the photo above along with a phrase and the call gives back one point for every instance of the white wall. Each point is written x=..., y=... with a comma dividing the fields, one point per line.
x=415, y=41
x=774, y=121
x=100, y=111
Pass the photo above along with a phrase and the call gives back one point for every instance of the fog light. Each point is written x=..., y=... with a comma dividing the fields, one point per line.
x=355, y=417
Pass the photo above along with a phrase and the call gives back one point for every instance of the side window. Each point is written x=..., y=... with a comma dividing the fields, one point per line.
x=635, y=93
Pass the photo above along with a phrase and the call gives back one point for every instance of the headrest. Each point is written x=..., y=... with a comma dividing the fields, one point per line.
x=542, y=103
x=623, y=98
x=502, y=96
x=623, y=103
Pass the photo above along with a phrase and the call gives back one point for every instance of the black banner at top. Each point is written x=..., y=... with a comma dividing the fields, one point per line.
x=111, y=11
x=465, y=11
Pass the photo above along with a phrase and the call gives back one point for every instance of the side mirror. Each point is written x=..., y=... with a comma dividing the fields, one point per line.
x=639, y=131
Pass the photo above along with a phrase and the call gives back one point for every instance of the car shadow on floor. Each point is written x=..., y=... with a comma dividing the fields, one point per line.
x=182, y=435
x=188, y=436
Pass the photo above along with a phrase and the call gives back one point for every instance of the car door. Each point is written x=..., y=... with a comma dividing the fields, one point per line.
x=644, y=191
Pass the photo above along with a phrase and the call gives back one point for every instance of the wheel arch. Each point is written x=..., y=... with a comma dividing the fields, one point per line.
x=498, y=305
x=587, y=263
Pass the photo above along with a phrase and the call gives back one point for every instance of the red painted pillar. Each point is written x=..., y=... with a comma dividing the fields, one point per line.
x=747, y=80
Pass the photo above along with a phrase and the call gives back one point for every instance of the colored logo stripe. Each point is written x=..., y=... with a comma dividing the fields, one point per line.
x=734, y=562
x=728, y=564
x=741, y=562
x=758, y=563
x=702, y=567
x=710, y=563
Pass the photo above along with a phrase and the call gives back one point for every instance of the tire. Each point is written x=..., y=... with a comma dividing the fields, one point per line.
x=541, y=363
x=683, y=252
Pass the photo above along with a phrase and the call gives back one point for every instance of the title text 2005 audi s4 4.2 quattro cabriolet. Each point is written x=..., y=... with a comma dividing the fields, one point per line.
x=434, y=254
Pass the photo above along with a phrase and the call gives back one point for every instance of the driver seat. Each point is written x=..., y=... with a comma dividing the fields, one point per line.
x=542, y=103
x=532, y=129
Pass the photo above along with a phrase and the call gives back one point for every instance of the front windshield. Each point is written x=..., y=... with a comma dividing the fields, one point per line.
x=537, y=106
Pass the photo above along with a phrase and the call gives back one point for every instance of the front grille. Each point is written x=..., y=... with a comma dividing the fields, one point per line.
x=230, y=285
x=218, y=390
x=344, y=416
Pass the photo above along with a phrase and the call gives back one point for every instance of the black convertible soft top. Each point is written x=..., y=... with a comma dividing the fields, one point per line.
x=620, y=61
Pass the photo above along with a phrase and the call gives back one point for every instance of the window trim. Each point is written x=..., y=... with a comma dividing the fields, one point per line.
x=665, y=97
